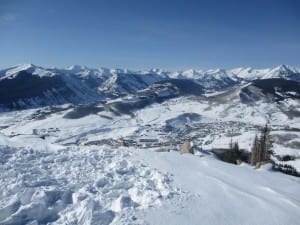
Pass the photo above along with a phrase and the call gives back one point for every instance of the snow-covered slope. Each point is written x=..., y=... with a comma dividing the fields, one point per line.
x=282, y=71
x=125, y=82
x=271, y=90
x=211, y=79
x=241, y=74
x=12, y=72
x=72, y=85
x=249, y=74
x=285, y=72
x=30, y=86
x=48, y=175
x=116, y=161
x=71, y=185
x=218, y=193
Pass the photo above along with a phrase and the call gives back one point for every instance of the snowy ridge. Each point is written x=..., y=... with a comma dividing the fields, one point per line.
x=249, y=74
x=30, y=68
x=246, y=74
x=81, y=85
x=282, y=71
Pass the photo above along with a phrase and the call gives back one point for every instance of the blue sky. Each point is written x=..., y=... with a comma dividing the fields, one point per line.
x=170, y=34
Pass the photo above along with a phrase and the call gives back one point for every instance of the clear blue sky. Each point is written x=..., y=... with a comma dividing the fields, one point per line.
x=170, y=34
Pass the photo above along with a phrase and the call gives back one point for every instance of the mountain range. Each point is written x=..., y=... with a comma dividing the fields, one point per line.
x=29, y=86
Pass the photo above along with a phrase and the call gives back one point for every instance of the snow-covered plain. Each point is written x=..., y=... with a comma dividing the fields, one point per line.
x=56, y=179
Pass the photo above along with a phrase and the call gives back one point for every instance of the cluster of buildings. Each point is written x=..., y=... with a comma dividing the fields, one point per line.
x=168, y=138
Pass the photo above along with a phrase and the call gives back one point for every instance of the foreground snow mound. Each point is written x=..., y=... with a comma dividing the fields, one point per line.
x=86, y=185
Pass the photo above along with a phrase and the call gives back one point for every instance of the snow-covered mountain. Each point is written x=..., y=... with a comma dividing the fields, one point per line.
x=12, y=72
x=210, y=79
x=271, y=90
x=282, y=71
x=27, y=86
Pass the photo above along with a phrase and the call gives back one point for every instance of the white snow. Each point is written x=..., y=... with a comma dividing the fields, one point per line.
x=12, y=72
x=18, y=68
x=249, y=73
x=86, y=185
x=214, y=192
x=56, y=179
x=44, y=181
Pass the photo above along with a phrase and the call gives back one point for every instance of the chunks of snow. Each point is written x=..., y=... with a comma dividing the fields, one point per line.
x=86, y=185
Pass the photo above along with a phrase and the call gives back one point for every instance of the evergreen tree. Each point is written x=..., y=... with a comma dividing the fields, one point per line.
x=236, y=147
x=260, y=148
x=255, y=151
x=265, y=143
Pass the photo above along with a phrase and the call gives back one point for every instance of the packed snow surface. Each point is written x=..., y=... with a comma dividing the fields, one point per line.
x=215, y=192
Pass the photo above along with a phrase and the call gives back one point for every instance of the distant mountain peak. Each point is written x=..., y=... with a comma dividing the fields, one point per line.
x=282, y=68
x=190, y=73
x=29, y=68
x=26, y=65
x=16, y=69
x=22, y=67
x=76, y=68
